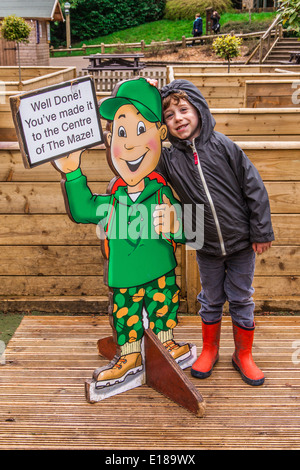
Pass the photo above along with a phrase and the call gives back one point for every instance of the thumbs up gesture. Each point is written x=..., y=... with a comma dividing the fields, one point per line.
x=165, y=217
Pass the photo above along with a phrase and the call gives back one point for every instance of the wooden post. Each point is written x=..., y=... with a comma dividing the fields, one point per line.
x=183, y=42
x=193, y=281
x=142, y=45
x=102, y=48
x=260, y=50
x=164, y=375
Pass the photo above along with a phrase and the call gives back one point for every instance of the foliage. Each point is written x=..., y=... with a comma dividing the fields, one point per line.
x=227, y=47
x=163, y=30
x=289, y=11
x=92, y=18
x=16, y=29
x=186, y=9
x=245, y=27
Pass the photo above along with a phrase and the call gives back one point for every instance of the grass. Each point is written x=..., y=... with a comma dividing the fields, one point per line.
x=8, y=324
x=173, y=30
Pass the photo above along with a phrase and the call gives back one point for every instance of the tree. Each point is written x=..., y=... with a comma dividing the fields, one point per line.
x=227, y=47
x=289, y=11
x=15, y=29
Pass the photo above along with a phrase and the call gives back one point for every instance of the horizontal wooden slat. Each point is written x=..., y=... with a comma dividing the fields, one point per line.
x=87, y=260
x=12, y=286
x=235, y=68
x=274, y=161
x=38, y=198
x=58, y=229
x=47, y=260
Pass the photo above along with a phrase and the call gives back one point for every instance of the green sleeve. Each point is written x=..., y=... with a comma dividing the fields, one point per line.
x=84, y=206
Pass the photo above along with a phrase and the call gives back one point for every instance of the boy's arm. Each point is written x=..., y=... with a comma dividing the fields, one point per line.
x=256, y=196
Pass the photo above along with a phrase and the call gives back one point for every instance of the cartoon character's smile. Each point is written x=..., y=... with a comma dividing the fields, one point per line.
x=133, y=165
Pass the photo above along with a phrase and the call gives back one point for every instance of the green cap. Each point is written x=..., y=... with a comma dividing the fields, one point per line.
x=138, y=92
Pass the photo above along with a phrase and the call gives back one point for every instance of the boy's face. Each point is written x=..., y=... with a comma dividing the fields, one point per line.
x=182, y=120
x=135, y=144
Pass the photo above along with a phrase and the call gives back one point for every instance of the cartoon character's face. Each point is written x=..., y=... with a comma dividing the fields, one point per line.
x=135, y=144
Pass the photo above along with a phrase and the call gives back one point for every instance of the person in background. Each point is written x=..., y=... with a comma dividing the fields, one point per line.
x=215, y=17
x=197, y=27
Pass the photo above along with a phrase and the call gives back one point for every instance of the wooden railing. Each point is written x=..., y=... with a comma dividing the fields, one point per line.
x=184, y=42
x=105, y=80
x=266, y=40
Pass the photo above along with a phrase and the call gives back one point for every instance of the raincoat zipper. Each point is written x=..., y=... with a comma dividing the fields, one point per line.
x=208, y=195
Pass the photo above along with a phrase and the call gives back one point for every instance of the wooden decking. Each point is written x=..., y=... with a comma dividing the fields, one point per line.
x=43, y=406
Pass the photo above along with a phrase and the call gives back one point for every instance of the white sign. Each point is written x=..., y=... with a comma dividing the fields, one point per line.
x=59, y=120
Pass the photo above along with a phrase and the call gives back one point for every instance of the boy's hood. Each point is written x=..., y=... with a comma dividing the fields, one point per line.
x=196, y=99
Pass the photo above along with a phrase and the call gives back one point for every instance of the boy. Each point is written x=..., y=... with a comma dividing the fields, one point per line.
x=140, y=223
x=205, y=167
x=197, y=27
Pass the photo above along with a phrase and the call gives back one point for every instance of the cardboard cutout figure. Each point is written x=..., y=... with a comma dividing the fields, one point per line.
x=141, y=220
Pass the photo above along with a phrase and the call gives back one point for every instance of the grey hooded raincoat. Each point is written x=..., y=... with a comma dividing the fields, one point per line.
x=215, y=172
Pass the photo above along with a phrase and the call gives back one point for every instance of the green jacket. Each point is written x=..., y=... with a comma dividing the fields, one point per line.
x=137, y=255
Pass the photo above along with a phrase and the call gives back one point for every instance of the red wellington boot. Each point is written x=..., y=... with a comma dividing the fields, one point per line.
x=203, y=366
x=242, y=357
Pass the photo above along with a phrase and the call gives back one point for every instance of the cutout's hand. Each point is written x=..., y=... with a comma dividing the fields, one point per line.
x=69, y=163
x=165, y=217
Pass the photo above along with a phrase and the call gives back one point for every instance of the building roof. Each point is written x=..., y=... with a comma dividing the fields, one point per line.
x=33, y=9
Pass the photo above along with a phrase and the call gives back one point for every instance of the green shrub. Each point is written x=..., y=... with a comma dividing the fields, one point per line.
x=289, y=11
x=16, y=29
x=186, y=9
x=227, y=47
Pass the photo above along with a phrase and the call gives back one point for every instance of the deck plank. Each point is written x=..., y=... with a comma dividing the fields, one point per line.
x=43, y=406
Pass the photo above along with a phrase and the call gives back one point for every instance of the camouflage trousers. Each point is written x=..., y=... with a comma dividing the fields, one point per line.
x=160, y=299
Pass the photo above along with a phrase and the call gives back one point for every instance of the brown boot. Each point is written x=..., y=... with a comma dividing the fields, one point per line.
x=126, y=365
x=178, y=352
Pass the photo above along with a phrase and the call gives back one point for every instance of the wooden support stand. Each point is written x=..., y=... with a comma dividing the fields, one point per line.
x=161, y=372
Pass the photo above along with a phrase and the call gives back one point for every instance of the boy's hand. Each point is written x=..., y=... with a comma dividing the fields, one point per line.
x=69, y=163
x=259, y=248
x=152, y=81
x=165, y=217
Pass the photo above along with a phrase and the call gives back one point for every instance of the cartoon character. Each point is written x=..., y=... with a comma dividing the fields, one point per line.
x=141, y=220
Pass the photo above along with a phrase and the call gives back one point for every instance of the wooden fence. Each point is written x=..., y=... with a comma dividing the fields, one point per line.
x=272, y=93
x=229, y=90
x=49, y=263
x=141, y=45
x=106, y=80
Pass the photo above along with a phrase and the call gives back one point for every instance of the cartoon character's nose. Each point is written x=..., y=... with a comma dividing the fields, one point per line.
x=129, y=146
